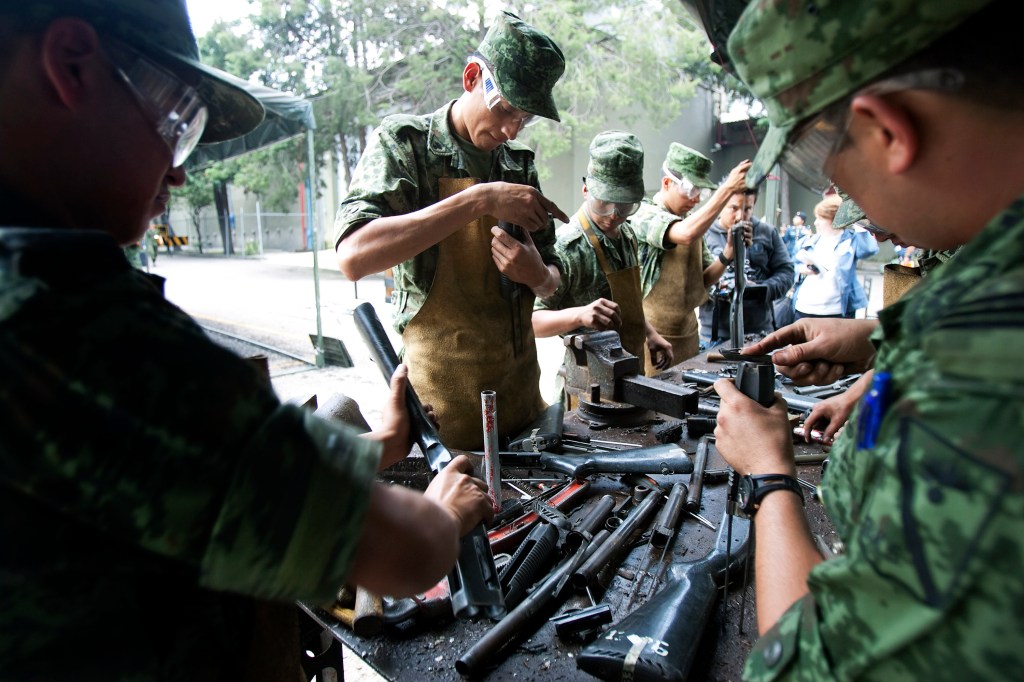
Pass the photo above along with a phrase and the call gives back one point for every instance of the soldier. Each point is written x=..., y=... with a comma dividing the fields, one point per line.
x=157, y=498
x=600, y=287
x=893, y=102
x=425, y=198
x=676, y=267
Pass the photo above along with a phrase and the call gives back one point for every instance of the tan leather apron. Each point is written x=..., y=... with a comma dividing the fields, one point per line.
x=625, y=286
x=896, y=281
x=669, y=306
x=460, y=342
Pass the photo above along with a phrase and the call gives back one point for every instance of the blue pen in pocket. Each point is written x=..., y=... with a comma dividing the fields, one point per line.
x=873, y=409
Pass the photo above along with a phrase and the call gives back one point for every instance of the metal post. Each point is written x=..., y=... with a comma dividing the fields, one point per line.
x=492, y=464
x=259, y=229
x=320, y=360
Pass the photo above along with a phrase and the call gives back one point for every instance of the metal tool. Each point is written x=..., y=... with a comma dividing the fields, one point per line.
x=513, y=292
x=608, y=383
x=492, y=465
x=739, y=258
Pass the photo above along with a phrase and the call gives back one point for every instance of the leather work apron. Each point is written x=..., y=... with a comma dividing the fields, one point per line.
x=896, y=281
x=460, y=342
x=669, y=306
x=625, y=286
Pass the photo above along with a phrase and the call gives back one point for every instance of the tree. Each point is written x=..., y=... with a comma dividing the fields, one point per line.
x=360, y=61
x=197, y=193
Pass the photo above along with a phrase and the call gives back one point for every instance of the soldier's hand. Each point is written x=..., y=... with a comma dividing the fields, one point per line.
x=602, y=315
x=752, y=438
x=461, y=494
x=819, y=351
x=737, y=179
x=520, y=261
x=521, y=205
x=394, y=429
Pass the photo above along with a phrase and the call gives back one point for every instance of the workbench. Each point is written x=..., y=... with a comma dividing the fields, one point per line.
x=416, y=650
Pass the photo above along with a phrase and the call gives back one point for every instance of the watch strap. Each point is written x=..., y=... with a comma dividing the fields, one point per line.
x=722, y=259
x=769, y=483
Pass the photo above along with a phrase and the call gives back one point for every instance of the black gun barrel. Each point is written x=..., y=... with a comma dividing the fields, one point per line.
x=588, y=525
x=473, y=583
x=700, y=463
x=499, y=637
x=587, y=574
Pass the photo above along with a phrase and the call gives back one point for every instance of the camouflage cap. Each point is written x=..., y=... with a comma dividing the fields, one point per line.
x=159, y=29
x=616, y=169
x=690, y=164
x=847, y=214
x=526, y=64
x=799, y=57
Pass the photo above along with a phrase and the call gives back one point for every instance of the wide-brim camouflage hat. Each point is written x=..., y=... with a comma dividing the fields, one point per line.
x=799, y=57
x=690, y=164
x=616, y=169
x=526, y=64
x=161, y=30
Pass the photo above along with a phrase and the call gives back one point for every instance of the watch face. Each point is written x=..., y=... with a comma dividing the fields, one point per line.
x=745, y=493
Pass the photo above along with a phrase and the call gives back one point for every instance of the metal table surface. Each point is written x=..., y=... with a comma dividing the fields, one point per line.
x=417, y=651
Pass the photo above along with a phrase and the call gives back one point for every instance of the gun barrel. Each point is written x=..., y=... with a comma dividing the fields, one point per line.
x=495, y=640
x=474, y=580
x=586, y=575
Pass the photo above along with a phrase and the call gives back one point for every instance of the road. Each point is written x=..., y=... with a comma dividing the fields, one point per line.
x=272, y=300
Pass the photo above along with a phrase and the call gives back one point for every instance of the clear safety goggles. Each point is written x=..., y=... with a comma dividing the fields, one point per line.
x=174, y=107
x=607, y=208
x=687, y=188
x=498, y=104
x=806, y=156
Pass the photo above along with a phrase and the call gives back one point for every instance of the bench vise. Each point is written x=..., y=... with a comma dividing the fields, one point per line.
x=604, y=379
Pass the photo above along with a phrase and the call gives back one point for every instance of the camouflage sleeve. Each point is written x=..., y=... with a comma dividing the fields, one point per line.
x=544, y=239
x=566, y=263
x=929, y=516
x=385, y=181
x=300, y=541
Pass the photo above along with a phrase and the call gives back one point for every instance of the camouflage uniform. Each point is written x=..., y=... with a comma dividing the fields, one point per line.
x=931, y=516
x=140, y=508
x=583, y=282
x=398, y=174
x=650, y=224
x=924, y=485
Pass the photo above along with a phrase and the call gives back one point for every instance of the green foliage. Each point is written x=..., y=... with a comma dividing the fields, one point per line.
x=360, y=60
x=197, y=194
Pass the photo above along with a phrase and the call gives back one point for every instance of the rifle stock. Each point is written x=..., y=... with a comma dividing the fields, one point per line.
x=474, y=581
x=659, y=640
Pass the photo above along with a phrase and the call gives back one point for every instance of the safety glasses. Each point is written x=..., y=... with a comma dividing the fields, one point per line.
x=687, y=188
x=498, y=104
x=607, y=208
x=806, y=156
x=175, y=108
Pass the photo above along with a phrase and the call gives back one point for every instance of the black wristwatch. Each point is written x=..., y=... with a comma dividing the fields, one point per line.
x=722, y=259
x=752, y=489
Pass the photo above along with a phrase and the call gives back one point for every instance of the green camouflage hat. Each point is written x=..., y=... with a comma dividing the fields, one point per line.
x=159, y=29
x=616, y=169
x=690, y=164
x=848, y=214
x=526, y=64
x=799, y=57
